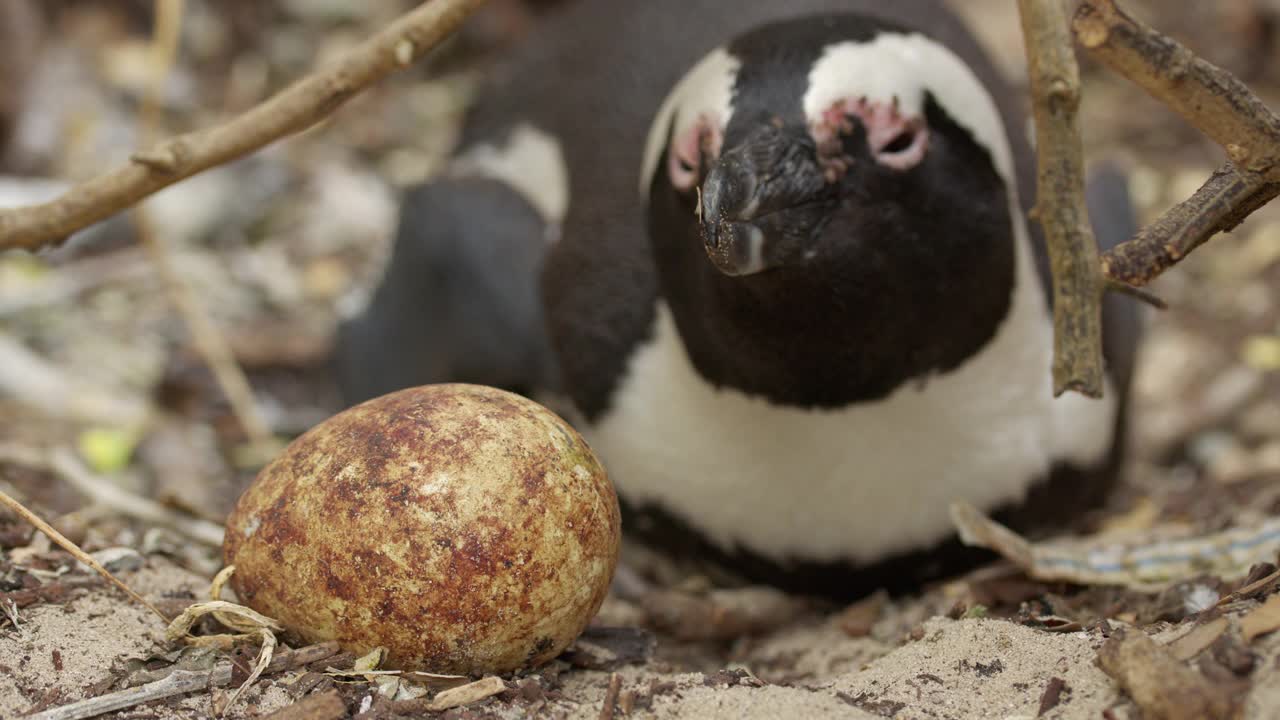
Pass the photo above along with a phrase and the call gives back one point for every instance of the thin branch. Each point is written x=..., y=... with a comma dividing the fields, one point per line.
x=1219, y=205
x=1216, y=103
x=21, y=511
x=1116, y=286
x=1210, y=98
x=165, y=38
x=1060, y=204
x=209, y=341
x=292, y=110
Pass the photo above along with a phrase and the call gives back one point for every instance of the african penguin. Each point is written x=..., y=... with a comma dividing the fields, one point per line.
x=783, y=274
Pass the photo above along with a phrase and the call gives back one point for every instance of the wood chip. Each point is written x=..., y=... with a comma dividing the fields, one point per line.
x=1261, y=620
x=1161, y=686
x=321, y=706
x=611, y=697
x=1201, y=637
x=467, y=694
x=1052, y=695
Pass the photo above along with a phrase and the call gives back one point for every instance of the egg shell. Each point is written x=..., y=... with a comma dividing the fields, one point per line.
x=463, y=528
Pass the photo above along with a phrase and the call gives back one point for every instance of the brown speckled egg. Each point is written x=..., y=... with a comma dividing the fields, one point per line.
x=465, y=529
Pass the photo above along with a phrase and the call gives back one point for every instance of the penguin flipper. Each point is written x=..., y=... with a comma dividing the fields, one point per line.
x=1110, y=205
x=1115, y=221
x=459, y=298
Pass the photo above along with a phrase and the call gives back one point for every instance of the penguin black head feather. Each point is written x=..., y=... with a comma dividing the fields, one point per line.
x=840, y=178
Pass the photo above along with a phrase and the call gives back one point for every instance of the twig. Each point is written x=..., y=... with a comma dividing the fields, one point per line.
x=611, y=697
x=1219, y=205
x=75, y=551
x=292, y=110
x=1060, y=204
x=1136, y=293
x=1215, y=102
x=1249, y=589
x=180, y=682
x=209, y=341
x=165, y=38
x=104, y=492
x=1210, y=98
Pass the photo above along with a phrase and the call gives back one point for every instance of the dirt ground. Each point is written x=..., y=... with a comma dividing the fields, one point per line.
x=102, y=391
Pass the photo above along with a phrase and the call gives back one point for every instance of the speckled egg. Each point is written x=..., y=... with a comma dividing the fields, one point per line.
x=463, y=528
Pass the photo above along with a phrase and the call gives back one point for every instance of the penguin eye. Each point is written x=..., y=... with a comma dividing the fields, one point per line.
x=896, y=140
x=687, y=151
x=900, y=143
x=683, y=171
x=905, y=149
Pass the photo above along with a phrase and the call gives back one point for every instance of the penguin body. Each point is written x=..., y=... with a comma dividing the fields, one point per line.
x=786, y=281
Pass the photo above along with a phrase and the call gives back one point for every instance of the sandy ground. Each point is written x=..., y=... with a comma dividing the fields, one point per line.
x=273, y=243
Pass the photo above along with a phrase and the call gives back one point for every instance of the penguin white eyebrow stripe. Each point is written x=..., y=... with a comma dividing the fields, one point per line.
x=706, y=91
x=897, y=69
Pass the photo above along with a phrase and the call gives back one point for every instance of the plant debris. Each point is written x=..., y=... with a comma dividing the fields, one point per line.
x=1261, y=620
x=1162, y=687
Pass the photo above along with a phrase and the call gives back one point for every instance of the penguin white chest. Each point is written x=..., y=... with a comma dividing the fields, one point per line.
x=852, y=484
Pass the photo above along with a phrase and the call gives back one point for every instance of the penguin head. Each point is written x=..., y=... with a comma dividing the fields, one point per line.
x=836, y=166
x=823, y=136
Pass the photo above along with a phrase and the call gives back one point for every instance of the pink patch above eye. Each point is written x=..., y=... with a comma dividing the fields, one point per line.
x=896, y=140
x=688, y=148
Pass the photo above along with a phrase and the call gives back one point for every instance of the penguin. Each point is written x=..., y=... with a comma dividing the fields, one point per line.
x=778, y=263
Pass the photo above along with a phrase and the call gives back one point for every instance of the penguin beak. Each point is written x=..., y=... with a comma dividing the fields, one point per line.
x=762, y=201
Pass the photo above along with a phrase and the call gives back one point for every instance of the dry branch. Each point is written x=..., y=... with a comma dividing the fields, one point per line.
x=296, y=108
x=1060, y=205
x=1207, y=96
x=1219, y=205
x=1212, y=100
